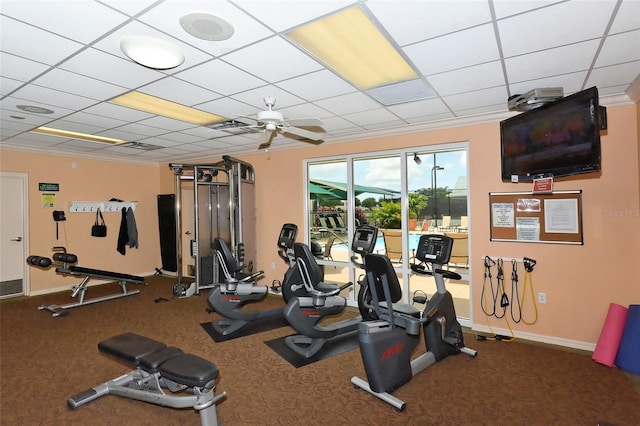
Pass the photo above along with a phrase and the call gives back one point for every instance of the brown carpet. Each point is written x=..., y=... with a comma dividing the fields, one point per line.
x=45, y=360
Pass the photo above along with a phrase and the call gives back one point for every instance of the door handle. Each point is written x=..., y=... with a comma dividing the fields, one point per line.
x=16, y=239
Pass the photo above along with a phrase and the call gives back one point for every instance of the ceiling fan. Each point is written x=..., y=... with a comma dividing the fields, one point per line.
x=271, y=122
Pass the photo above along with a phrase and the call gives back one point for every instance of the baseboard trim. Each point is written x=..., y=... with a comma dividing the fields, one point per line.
x=550, y=340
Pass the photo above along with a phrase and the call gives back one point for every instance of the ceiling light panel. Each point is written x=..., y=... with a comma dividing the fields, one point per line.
x=158, y=106
x=49, y=131
x=339, y=40
x=152, y=52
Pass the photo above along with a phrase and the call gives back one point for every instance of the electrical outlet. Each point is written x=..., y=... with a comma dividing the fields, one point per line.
x=542, y=298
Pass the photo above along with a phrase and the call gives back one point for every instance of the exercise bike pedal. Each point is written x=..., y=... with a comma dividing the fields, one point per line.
x=420, y=299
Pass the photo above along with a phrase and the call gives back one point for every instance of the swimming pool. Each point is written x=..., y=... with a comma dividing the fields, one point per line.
x=379, y=247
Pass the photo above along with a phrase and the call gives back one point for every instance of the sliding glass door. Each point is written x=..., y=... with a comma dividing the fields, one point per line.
x=404, y=194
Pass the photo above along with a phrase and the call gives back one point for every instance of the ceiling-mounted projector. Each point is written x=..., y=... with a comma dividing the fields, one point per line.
x=534, y=98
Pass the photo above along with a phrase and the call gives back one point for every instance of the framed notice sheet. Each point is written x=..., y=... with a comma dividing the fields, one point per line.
x=536, y=218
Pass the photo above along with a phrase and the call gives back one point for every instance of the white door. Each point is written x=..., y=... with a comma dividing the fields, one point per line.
x=13, y=234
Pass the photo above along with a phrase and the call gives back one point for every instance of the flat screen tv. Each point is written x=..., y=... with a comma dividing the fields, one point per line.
x=561, y=138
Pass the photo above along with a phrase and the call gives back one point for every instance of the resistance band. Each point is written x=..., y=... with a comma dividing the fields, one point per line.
x=528, y=281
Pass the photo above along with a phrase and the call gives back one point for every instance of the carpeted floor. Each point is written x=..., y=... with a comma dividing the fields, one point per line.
x=45, y=360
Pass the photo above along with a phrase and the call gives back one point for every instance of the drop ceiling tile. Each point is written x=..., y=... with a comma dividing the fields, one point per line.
x=468, y=79
x=78, y=84
x=549, y=27
x=412, y=21
x=106, y=67
x=477, y=99
x=31, y=120
x=335, y=124
x=227, y=107
x=180, y=91
x=128, y=7
x=620, y=48
x=121, y=134
x=273, y=60
x=284, y=14
x=368, y=118
x=36, y=139
x=627, y=18
x=317, y=85
x=349, y=103
x=423, y=108
x=429, y=118
x=166, y=17
x=166, y=123
x=220, y=77
x=19, y=68
x=504, y=8
x=181, y=137
x=76, y=145
x=457, y=50
x=42, y=46
x=41, y=95
x=8, y=85
x=141, y=129
x=83, y=21
x=547, y=63
x=103, y=121
x=13, y=127
x=305, y=111
x=614, y=75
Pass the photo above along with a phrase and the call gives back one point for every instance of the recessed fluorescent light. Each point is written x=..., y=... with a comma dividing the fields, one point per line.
x=158, y=106
x=76, y=135
x=152, y=52
x=351, y=44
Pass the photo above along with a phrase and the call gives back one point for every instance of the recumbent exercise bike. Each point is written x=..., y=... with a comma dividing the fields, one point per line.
x=386, y=345
x=322, y=298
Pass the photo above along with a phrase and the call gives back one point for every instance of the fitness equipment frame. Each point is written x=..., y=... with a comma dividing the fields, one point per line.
x=386, y=345
x=158, y=367
x=224, y=207
x=322, y=299
x=64, y=265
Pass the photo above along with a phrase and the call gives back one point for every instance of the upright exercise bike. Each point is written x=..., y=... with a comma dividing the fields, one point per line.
x=323, y=299
x=386, y=345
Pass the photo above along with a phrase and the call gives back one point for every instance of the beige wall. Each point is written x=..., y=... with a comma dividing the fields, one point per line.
x=90, y=180
x=580, y=281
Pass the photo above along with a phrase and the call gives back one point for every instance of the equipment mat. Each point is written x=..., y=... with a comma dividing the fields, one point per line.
x=334, y=346
x=254, y=327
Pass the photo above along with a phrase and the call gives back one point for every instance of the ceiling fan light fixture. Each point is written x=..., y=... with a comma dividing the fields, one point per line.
x=338, y=41
x=152, y=52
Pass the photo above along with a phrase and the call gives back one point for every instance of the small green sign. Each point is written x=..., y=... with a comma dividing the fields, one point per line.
x=43, y=186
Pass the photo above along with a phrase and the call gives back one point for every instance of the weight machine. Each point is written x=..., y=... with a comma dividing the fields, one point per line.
x=223, y=207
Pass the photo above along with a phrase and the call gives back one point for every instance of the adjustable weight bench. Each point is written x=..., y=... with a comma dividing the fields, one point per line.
x=64, y=265
x=158, y=368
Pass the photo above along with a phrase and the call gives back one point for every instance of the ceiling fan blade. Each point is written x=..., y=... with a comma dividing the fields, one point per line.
x=303, y=133
x=265, y=139
x=305, y=122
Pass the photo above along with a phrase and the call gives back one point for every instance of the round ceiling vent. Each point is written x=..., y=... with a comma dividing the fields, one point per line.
x=206, y=26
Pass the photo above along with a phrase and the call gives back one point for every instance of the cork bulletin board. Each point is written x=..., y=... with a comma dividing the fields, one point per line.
x=536, y=218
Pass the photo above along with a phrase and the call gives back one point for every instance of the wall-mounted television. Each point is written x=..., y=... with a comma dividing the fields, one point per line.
x=561, y=138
